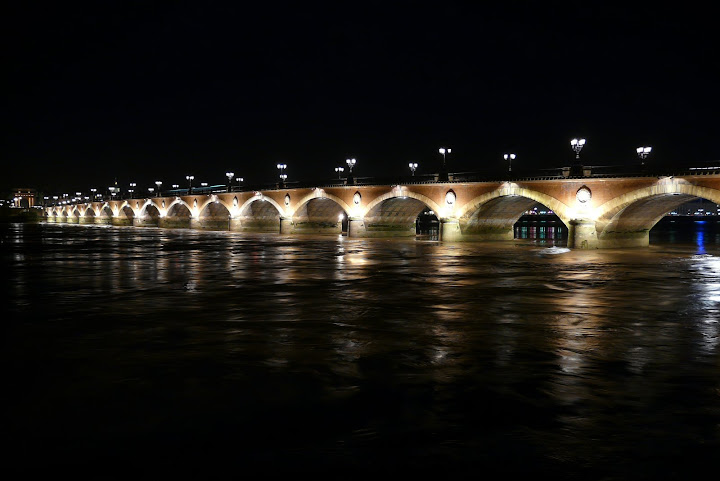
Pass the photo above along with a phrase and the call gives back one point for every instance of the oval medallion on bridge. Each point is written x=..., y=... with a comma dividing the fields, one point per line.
x=450, y=197
x=163, y=204
x=287, y=200
x=137, y=204
x=195, y=204
x=357, y=198
x=235, y=202
x=583, y=194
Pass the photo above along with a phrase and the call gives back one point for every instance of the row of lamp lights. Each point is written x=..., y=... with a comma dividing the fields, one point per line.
x=576, y=145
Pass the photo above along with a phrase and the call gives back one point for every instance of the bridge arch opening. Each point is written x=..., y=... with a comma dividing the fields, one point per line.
x=150, y=210
x=630, y=220
x=106, y=212
x=213, y=216
x=126, y=212
x=257, y=214
x=513, y=216
x=149, y=216
x=427, y=224
x=178, y=215
x=540, y=223
x=398, y=216
x=320, y=215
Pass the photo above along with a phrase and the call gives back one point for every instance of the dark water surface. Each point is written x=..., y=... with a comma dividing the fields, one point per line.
x=134, y=352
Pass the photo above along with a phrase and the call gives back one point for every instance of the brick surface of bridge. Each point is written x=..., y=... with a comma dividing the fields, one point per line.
x=598, y=212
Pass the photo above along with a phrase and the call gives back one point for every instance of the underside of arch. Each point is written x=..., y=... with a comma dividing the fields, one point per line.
x=496, y=218
x=257, y=215
x=392, y=217
x=213, y=216
x=88, y=216
x=320, y=215
x=630, y=226
x=177, y=216
x=493, y=216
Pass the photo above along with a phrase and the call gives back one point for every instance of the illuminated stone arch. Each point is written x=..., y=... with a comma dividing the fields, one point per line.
x=627, y=219
x=256, y=214
x=106, y=211
x=513, y=210
x=124, y=209
x=393, y=214
x=213, y=199
x=144, y=212
x=242, y=210
x=320, y=194
x=317, y=213
x=171, y=208
x=402, y=193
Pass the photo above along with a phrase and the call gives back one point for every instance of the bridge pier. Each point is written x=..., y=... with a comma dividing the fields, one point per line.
x=145, y=222
x=356, y=227
x=286, y=226
x=87, y=220
x=249, y=224
x=304, y=226
x=122, y=221
x=103, y=220
x=582, y=234
x=210, y=223
x=450, y=230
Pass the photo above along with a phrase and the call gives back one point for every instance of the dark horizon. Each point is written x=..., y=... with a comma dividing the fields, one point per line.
x=141, y=92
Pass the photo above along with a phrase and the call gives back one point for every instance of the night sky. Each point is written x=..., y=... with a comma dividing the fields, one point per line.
x=143, y=91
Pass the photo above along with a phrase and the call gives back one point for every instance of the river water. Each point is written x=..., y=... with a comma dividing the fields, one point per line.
x=140, y=351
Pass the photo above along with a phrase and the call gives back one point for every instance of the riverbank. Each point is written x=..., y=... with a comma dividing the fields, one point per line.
x=20, y=215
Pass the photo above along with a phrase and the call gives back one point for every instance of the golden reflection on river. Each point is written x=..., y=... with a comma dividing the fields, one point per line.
x=292, y=354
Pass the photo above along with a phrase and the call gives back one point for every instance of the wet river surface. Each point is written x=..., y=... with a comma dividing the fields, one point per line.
x=131, y=352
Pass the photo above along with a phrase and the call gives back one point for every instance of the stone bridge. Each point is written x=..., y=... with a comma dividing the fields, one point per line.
x=598, y=212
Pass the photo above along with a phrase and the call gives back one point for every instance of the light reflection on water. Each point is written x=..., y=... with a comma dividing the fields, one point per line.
x=308, y=353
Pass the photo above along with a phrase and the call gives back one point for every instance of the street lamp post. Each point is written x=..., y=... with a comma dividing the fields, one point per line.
x=339, y=171
x=413, y=166
x=189, y=178
x=509, y=158
x=229, y=176
x=443, y=172
x=642, y=153
x=283, y=175
x=132, y=188
x=350, y=163
x=158, y=183
x=577, y=145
